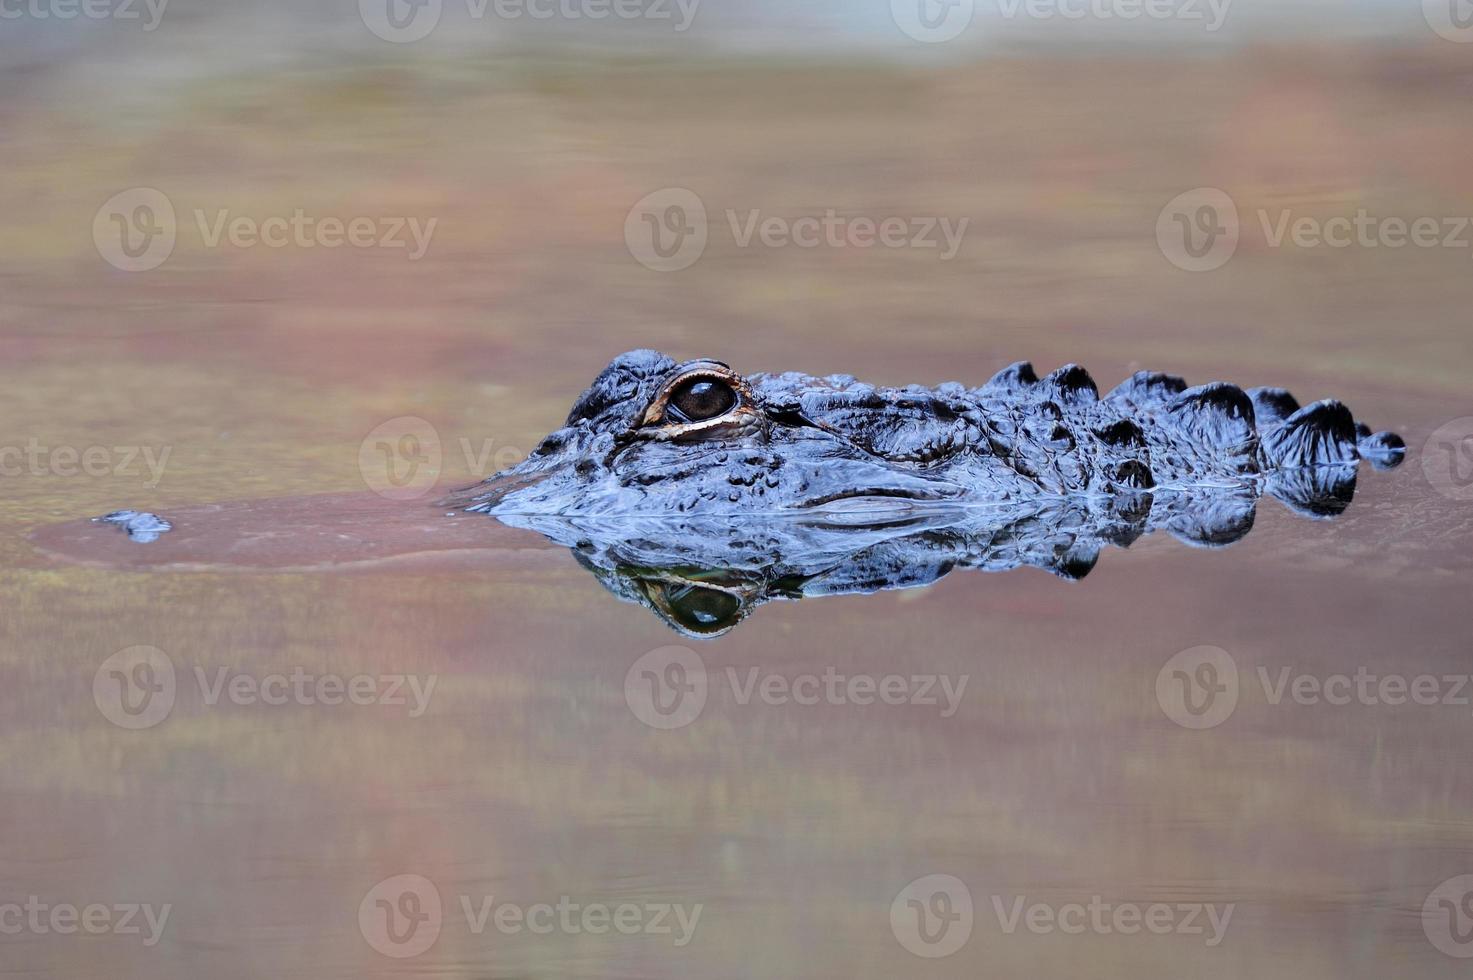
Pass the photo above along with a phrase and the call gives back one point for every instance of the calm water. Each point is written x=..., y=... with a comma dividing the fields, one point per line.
x=507, y=753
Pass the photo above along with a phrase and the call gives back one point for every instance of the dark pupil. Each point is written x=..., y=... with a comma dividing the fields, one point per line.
x=700, y=399
x=702, y=610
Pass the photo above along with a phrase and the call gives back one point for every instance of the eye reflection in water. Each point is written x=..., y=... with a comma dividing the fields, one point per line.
x=702, y=576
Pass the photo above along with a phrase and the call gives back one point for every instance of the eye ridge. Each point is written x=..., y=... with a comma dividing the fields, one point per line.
x=701, y=399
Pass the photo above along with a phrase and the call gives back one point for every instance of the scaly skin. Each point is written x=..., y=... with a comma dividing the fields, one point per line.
x=795, y=442
x=819, y=486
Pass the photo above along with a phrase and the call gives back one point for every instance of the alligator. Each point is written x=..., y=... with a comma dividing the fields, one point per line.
x=652, y=436
x=700, y=493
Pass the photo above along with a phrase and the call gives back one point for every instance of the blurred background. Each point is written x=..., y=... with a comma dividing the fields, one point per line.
x=524, y=149
x=251, y=234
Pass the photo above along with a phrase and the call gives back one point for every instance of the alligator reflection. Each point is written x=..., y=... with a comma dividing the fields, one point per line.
x=702, y=575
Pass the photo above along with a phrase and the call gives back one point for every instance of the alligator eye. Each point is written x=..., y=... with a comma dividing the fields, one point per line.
x=700, y=399
x=704, y=610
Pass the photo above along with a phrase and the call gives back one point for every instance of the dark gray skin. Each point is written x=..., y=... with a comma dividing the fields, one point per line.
x=800, y=486
x=703, y=574
x=791, y=442
x=701, y=494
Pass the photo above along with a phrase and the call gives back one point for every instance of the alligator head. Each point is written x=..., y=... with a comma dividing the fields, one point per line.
x=700, y=493
x=652, y=436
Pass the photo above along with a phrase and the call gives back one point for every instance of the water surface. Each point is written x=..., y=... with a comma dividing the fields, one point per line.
x=530, y=774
